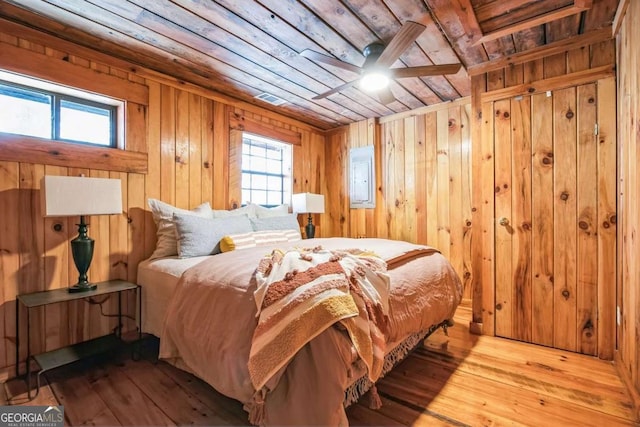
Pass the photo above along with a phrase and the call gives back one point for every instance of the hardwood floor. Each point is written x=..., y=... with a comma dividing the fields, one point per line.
x=459, y=380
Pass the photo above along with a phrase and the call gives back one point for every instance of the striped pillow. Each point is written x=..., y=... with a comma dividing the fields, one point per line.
x=258, y=238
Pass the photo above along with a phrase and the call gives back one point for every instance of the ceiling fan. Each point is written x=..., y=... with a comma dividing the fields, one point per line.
x=375, y=72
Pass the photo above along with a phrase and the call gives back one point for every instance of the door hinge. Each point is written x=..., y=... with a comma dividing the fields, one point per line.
x=595, y=129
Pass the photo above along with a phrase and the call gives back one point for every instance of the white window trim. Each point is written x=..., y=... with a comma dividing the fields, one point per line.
x=287, y=163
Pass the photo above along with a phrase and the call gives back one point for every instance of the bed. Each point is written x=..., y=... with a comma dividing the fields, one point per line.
x=204, y=312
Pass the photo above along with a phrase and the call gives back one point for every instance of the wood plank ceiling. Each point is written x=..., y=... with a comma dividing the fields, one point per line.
x=246, y=48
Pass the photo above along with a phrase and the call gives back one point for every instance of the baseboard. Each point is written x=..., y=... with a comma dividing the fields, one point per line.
x=475, y=328
x=628, y=383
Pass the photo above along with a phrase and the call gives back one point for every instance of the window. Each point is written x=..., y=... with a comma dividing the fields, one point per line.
x=266, y=171
x=41, y=113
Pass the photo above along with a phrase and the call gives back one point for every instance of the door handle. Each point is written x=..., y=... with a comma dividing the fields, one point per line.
x=504, y=221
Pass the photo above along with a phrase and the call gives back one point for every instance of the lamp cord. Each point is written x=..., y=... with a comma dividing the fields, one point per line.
x=102, y=313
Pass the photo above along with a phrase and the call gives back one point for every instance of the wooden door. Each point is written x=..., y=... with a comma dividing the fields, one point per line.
x=553, y=187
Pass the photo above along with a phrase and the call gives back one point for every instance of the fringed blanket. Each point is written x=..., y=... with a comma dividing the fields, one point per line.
x=303, y=292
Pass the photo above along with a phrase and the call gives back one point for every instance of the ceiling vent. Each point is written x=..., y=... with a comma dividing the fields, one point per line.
x=271, y=99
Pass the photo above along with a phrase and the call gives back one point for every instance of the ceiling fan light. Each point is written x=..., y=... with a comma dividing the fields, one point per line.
x=374, y=81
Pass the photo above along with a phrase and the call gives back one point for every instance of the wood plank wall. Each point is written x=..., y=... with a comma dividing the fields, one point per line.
x=185, y=135
x=504, y=83
x=629, y=198
x=423, y=181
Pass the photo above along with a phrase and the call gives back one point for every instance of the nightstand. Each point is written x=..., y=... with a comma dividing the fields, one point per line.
x=65, y=355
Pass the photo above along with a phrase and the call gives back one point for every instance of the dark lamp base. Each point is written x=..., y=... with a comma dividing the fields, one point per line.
x=82, y=251
x=310, y=229
x=82, y=288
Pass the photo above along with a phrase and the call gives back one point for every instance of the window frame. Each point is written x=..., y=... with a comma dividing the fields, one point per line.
x=55, y=116
x=286, y=166
x=130, y=95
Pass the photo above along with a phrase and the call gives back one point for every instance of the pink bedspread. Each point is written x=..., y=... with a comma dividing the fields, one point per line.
x=211, y=318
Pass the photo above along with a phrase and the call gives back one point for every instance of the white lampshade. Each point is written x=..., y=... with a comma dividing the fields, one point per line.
x=79, y=195
x=307, y=203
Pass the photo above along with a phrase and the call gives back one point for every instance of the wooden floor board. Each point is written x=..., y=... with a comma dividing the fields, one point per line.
x=446, y=402
x=225, y=407
x=15, y=392
x=524, y=405
x=549, y=360
x=179, y=405
x=361, y=415
x=572, y=389
x=83, y=406
x=457, y=380
x=128, y=403
x=415, y=416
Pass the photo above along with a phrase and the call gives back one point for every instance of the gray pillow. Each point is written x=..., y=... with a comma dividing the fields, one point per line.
x=199, y=236
x=163, y=217
x=285, y=222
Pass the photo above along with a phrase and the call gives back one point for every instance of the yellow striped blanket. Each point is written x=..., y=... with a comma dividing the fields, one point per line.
x=302, y=292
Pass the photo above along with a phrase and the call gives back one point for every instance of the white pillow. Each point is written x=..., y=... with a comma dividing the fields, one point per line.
x=163, y=217
x=248, y=210
x=262, y=212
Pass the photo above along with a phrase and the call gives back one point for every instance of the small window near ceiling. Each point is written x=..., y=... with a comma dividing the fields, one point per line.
x=266, y=170
x=45, y=113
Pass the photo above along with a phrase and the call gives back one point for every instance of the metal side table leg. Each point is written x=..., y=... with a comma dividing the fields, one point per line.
x=17, y=337
x=28, y=360
x=38, y=383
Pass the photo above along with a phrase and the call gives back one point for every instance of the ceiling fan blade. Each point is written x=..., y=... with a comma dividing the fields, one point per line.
x=386, y=96
x=426, y=70
x=336, y=89
x=407, y=35
x=319, y=57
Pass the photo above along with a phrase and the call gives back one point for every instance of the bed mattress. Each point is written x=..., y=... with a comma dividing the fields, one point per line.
x=159, y=278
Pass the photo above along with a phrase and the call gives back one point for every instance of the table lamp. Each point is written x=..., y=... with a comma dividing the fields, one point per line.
x=308, y=203
x=79, y=195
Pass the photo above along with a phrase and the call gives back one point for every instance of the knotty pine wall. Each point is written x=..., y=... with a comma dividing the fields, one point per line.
x=444, y=201
x=423, y=181
x=629, y=198
x=181, y=132
x=594, y=63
